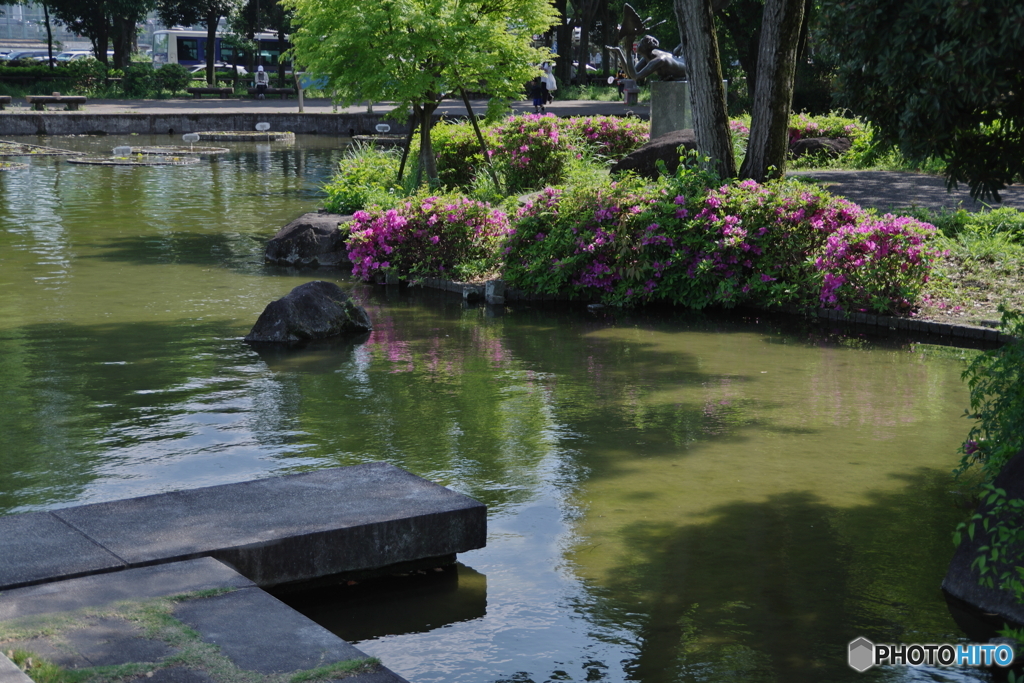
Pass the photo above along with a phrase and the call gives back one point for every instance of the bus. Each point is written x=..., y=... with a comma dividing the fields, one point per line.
x=181, y=46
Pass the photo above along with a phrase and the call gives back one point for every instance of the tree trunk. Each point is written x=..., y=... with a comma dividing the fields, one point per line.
x=480, y=138
x=49, y=36
x=123, y=35
x=563, y=35
x=707, y=92
x=773, y=94
x=428, y=164
x=211, y=47
x=280, y=62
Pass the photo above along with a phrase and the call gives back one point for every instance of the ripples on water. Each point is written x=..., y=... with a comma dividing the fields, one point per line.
x=674, y=498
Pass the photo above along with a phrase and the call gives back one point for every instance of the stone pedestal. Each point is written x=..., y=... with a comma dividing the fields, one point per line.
x=670, y=107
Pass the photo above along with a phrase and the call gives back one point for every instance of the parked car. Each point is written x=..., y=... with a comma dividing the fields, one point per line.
x=200, y=69
x=74, y=55
x=27, y=54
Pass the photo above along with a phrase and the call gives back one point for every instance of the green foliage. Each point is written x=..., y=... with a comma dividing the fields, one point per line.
x=1002, y=524
x=533, y=152
x=420, y=48
x=585, y=240
x=173, y=78
x=996, y=382
x=459, y=158
x=366, y=175
x=139, y=80
x=938, y=78
x=86, y=76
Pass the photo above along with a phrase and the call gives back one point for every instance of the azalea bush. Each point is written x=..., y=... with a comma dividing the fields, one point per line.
x=878, y=264
x=533, y=151
x=597, y=240
x=611, y=137
x=447, y=236
x=746, y=243
x=828, y=126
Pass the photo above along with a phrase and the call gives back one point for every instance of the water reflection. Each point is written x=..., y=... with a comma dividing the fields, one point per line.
x=672, y=498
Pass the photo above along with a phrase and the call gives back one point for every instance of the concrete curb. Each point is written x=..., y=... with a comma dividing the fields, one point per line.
x=882, y=323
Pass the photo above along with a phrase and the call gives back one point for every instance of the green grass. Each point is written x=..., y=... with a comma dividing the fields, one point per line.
x=156, y=621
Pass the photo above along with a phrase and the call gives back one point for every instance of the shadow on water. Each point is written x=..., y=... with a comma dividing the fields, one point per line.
x=774, y=590
x=416, y=602
x=243, y=252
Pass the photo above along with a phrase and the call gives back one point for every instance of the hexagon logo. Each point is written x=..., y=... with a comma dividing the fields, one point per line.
x=862, y=654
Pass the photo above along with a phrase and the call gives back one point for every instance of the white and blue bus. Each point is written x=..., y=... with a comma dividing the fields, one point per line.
x=180, y=46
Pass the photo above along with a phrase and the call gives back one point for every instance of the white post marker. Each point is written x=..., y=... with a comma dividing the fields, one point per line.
x=263, y=126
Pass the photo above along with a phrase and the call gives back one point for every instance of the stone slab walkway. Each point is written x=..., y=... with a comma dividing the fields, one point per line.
x=196, y=621
x=273, y=531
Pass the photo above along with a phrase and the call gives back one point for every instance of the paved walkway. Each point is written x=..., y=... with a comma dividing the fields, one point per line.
x=882, y=190
x=324, y=106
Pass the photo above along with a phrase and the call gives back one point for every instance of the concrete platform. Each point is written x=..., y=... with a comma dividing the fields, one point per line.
x=186, y=622
x=273, y=531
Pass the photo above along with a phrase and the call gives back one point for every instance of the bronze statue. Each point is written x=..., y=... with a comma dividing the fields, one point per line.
x=668, y=66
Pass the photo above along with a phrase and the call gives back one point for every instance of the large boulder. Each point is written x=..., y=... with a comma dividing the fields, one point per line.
x=644, y=160
x=961, y=580
x=311, y=240
x=832, y=147
x=315, y=310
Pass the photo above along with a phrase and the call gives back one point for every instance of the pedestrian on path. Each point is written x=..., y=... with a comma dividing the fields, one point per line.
x=539, y=94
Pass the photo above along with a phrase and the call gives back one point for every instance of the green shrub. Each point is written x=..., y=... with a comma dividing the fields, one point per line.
x=366, y=175
x=996, y=381
x=85, y=76
x=139, y=80
x=459, y=158
x=173, y=78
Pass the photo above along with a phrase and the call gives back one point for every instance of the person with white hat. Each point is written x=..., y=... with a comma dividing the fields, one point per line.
x=262, y=81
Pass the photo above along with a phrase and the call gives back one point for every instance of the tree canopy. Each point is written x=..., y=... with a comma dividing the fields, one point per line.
x=412, y=52
x=941, y=78
x=104, y=22
x=188, y=12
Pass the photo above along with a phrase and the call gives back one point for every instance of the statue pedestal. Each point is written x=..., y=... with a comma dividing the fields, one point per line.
x=670, y=107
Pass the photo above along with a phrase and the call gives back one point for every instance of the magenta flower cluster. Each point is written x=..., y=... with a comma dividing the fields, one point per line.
x=764, y=245
x=610, y=136
x=427, y=236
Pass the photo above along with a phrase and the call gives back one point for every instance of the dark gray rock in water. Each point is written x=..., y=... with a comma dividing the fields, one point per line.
x=315, y=310
x=643, y=161
x=832, y=147
x=311, y=240
x=962, y=580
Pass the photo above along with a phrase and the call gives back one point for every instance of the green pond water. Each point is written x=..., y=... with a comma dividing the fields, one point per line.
x=672, y=497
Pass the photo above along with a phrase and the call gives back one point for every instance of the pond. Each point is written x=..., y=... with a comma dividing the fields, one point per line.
x=672, y=497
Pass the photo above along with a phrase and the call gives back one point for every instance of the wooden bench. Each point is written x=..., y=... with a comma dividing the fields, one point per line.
x=284, y=93
x=219, y=92
x=39, y=102
x=4, y=101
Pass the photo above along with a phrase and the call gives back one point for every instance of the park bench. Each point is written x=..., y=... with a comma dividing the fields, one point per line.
x=219, y=92
x=284, y=93
x=39, y=102
x=4, y=101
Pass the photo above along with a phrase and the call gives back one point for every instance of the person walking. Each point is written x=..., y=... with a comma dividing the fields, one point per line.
x=262, y=81
x=539, y=94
